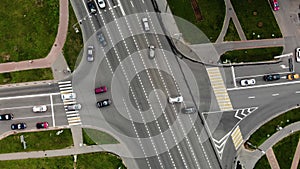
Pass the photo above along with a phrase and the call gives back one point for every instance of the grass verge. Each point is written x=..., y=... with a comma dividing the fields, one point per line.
x=269, y=128
x=231, y=34
x=74, y=42
x=213, y=12
x=26, y=76
x=94, y=137
x=262, y=163
x=256, y=18
x=43, y=140
x=84, y=161
x=27, y=29
x=251, y=55
x=285, y=150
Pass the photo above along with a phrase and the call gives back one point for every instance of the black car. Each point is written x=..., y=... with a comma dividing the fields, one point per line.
x=92, y=7
x=272, y=77
x=103, y=103
x=18, y=126
x=6, y=116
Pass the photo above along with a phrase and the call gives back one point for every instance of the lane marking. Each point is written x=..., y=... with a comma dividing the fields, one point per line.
x=26, y=107
x=251, y=97
x=63, y=82
x=52, y=110
x=267, y=85
x=121, y=8
x=242, y=77
x=132, y=4
x=233, y=76
x=28, y=96
x=275, y=94
x=32, y=117
x=297, y=92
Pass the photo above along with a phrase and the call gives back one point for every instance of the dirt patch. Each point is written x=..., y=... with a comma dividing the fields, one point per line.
x=197, y=11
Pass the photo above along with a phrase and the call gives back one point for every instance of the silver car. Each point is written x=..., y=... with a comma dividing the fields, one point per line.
x=145, y=24
x=151, y=52
x=90, y=54
x=101, y=39
x=74, y=107
x=189, y=110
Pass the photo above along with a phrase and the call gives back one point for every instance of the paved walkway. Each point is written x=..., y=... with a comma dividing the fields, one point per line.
x=296, y=159
x=272, y=159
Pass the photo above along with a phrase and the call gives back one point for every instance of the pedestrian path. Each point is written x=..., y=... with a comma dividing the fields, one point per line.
x=237, y=137
x=272, y=159
x=296, y=159
x=73, y=117
x=219, y=88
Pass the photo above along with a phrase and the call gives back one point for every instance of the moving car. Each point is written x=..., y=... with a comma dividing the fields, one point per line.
x=101, y=39
x=90, y=54
x=103, y=103
x=271, y=77
x=177, y=99
x=39, y=109
x=42, y=125
x=248, y=82
x=74, y=107
x=145, y=24
x=151, y=52
x=101, y=4
x=92, y=7
x=6, y=116
x=292, y=76
x=101, y=89
x=68, y=96
x=297, y=54
x=275, y=5
x=189, y=110
x=18, y=126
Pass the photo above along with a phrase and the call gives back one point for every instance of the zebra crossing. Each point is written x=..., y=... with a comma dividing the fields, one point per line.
x=219, y=88
x=237, y=137
x=73, y=116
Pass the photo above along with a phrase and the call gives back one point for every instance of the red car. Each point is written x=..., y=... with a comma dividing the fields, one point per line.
x=275, y=5
x=101, y=89
x=42, y=125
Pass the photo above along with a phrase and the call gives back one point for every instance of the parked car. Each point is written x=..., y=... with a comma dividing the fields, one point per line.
x=297, y=54
x=90, y=54
x=74, y=107
x=42, y=125
x=101, y=4
x=151, y=52
x=101, y=89
x=68, y=96
x=292, y=76
x=177, y=99
x=189, y=110
x=103, y=103
x=248, y=82
x=92, y=7
x=275, y=5
x=18, y=126
x=39, y=109
x=6, y=116
x=101, y=39
x=145, y=24
x=271, y=77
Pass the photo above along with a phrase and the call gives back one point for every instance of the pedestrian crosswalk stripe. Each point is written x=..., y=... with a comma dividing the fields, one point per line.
x=63, y=82
x=237, y=137
x=66, y=91
x=74, y=124
x=65, y=88
x=73, y=115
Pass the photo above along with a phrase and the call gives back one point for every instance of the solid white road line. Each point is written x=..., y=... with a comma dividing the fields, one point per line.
x=251, y=97
x=275, y=94
x=233, y=76
x=297, y=92
x=26, y=107
x=28, y=96
x=251, y=76
x=33, y=117
x=52, y=110
x=267, y=85
x=121, y=8
x=131, y=4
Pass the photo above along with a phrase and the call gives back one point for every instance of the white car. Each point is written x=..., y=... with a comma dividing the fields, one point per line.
x=68, y=96
x=90, y=54
x=178, y=99
x=146, y=24
x=297, y=54
x=101, y=4
x=151, y=52
x=74, y=107
x=39, y=109
x=248, y=82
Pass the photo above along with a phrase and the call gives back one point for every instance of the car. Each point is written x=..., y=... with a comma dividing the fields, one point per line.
x=271, y=77
x=145, y=24
x=103, y=103
x=18, y=126
x=189, y=110
x=101, y=39
x=74, y=107
x=39, y=109
x=178, y=99
x=275, y=5
x=101, y=89
x=293, y=76
x=42, y=125
x=248, y=82
x=101, y=4
x=90, y=54
x=6, y=116
x=151, y=51
x=92, y=7
x=297, y=54
x=68, y=96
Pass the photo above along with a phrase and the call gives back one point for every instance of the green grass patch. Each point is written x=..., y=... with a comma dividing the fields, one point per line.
x=94, y=137
x=43, y=140
x=74, y=42
x=251, y=55
x=26, y=76
x=213, y=12
x=256, y=18
x=262, y=163
x=269, y=128
x=84, y=161
x=231, y=34
x=27, y=29
x=285, y=150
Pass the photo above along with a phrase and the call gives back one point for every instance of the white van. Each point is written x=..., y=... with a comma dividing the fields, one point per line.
x=146, y=24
